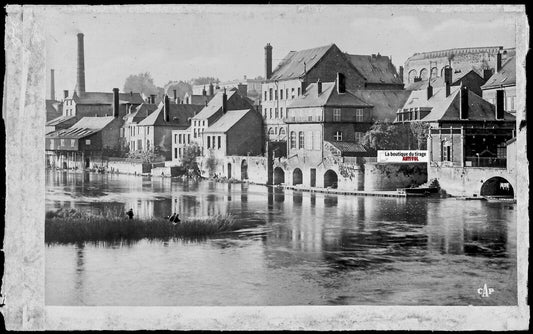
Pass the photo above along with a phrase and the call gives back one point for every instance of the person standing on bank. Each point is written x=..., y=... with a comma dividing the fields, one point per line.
x=130, y=213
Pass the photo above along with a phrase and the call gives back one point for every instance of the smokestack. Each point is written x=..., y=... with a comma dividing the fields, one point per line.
x=463, y=95
x=65, y=93
x=175, y=96
x=341, y=83
x=268, y=61
x=498, y=62
x=115, y=102
x=429, y=91
x=487, y=74
x=499, y=103
x=152, y=98
x=80, y=83
x=166, y=108
x=319, y=86
x=52, y=86
x=224, y=101
x=204, y=92
x=448, y=75
x=401, y=73
x=211, y=89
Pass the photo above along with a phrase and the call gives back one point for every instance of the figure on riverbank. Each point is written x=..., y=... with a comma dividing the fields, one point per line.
x=171, y=218
x=130, y=213
x=176, y=220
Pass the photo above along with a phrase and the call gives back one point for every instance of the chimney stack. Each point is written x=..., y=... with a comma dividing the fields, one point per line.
x=224, y=101
x=80, y=83
x=65, y=93
x=211, y=89
x=52, y=86
x=430, y=91
x=447, y=87
x=499, y=103
x=319, y=86
x=175, y=96
x=487, y=73
x=152, y=98
x=204, y=92
x=341, y=83
x=448, y=75
x=166, y=108
x=268, y=61
x=401, y=73
x=115, y=102
x=498, y=62
x=463, y=109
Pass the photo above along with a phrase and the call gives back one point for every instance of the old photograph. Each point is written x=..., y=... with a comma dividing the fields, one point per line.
x=279, y=156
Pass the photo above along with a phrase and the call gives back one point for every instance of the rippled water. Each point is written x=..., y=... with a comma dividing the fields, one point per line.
x=315, y=249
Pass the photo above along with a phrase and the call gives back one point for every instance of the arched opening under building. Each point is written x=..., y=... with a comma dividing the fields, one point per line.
x=497, y=187
x=330, y=179
x=297, y=177
x=411, y=76
x=244, y=170
x=229, y=171
x=424, y=74
x=279, y=175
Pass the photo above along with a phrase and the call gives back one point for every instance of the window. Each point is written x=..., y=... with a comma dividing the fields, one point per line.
x=62, y=142
x=147, y=130
x=276, y=113
x=87, y=142
x=265, y=95
x=188, y=138
x=281, y=131
x=270, y=113
x=501, y=151
x=281, y=112
x=338, y=136
x=219, y=142
x=337, y=115
x=298, y=91
x=72, y=142
x=287, y=93
x=446, y=151
x=203, y=123
x=175, y=153
x=180, y=152
x=147, y=144
x=359, y=115
x=270, y=131
x=281, y=94
x=276, y=95
x=509, y=103
x=208, y=141
x=194, y=134
x=293, y=139
x=265, y=113
x=292, y=92
x=270, y=93
x=52, y=144
x=301, y=139
x=359, y=136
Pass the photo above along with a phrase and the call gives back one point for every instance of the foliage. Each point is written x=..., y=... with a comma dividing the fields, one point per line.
x=211, y=163
x=420, y=130
x=181, y=88
x=384, y=135
x=140, y=83
x=191, y=152
x=144, y=156
x=82, y=227
x=204, y=80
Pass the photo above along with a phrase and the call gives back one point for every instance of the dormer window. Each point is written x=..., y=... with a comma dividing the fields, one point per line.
x=338, y=136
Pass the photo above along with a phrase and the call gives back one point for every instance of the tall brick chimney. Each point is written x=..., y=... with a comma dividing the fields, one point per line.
x=152, y=98
x=487, y=73
x=499, y=103
x=319, y=86
x=429, y=91
x=211, y=89
x=52, y=86
x=175, y=96
x=80, y=82
x=65, y=93
x=498, y=62
x=341, y=83
x=401, y=73
x=115, y=102
x=268, y=61
x=166, y=108
x=463, y=108
x=224, y=101
x=448, y=75
x=204, y=93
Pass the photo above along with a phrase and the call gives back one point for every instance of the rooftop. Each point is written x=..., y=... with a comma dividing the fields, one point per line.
x=227, y=121
x=105, y=98
x=179, y=115
x=83, y=128
x=376, y=68
x=505, y=77
x=439, y=81
x=297, y=63
x=328, y=97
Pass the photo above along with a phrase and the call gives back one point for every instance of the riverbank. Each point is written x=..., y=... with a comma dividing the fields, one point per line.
x=73, y=226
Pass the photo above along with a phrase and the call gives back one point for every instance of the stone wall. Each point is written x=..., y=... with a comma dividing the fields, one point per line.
x=254, y=168
x=126, y=167
x=392, y=176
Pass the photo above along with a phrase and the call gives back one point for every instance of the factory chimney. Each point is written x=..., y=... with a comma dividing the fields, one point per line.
x=319, y=86
x=52, y=86
x=80, y=83
x=224, y=101
x=152, y=98
x=115, y=102
x=166, y=108
x=498, y=62
x=268, y=61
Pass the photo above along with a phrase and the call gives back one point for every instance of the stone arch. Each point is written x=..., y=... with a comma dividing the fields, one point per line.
x=411, y=76
x=434, y=72
x=297, y=176
x=424, y=74
x=279, y=175
x=497, y=186
x=331, y=179
x=244, y=170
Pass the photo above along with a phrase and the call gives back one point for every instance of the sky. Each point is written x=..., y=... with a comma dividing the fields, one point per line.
x=188, y=41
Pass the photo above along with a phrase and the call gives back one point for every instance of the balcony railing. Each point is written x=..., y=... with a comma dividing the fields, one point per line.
x=485, y=162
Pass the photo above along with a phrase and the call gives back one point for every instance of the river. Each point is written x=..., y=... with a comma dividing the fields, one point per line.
x=311, y=248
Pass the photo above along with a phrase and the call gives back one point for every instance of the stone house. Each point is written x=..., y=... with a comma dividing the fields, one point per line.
x=503, y=82
x=469, y=79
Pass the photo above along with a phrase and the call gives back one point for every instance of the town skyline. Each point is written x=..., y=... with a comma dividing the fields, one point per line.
x=212, y=48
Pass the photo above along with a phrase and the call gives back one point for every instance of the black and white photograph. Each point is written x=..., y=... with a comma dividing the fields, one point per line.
x=266, y=167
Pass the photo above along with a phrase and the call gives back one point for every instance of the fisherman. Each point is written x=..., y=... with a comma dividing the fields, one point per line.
x=176, y=220
x=171, y=218
x=130, y=213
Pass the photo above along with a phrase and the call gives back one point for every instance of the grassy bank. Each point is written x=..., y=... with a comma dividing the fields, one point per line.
x=78, y=227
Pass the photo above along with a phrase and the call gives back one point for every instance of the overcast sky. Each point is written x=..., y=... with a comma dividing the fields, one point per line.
x=182, y=42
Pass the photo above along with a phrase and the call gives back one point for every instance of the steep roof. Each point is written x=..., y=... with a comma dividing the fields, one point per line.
x=216, y=104
x=385, y=102
x=292, y=66
x=375, y=68
x=439, y=81
x=60, y=120
x=141, y=112
x=328, y=97
x=348, y=148
x=105, y=98
x=447, y=108
x=54, y=109
x=506, y=76
x=179, y=115
x=83, y=128
x=227, y=121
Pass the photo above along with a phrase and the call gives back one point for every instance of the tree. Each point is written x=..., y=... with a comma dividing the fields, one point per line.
x=390, y=136
x=181, y=88
x=144, y=156
x=204, y=80
x=191, y=152
x=420, y=130
x=140, y=83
